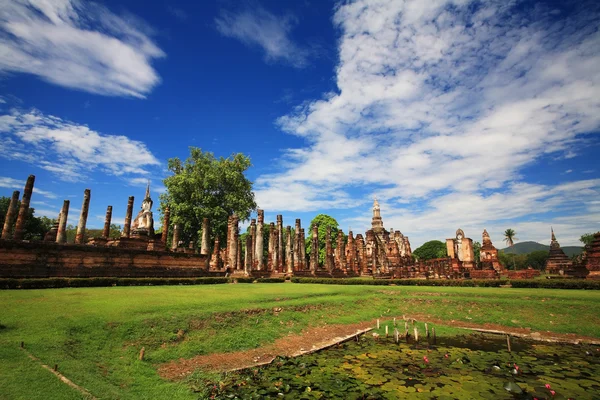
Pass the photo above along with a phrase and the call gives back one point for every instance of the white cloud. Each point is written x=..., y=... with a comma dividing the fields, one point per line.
x=259, y=27
x=70, y=150
x=442, y=104
x=78, y=45
x=19, y=185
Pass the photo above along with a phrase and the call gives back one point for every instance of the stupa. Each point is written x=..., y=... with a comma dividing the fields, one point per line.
x=557, y=261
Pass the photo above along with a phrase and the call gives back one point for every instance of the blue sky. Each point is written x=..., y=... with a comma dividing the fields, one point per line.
x=455, y=114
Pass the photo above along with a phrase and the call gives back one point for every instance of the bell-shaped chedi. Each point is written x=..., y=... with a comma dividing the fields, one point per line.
x=488, y=255
x=557, y=261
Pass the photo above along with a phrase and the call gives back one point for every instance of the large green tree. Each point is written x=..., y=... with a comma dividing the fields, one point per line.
x=204, y=186
x=35, y=227
x=477, y=252
x=587, y=239
x=430, y=250
x=322, y=221
x=537, y=259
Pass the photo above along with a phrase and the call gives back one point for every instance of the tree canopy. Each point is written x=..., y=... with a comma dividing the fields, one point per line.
x=430, y=250
x=510, y=237
x=587, y=239
x=322, y=221
x=207, y=187
x=35, y=227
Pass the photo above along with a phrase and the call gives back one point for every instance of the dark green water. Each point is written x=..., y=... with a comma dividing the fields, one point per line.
x=473, y=367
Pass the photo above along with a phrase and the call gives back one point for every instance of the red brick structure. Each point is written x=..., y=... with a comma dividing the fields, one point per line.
x=557, y=261
x=592, y=258
x=488, y=255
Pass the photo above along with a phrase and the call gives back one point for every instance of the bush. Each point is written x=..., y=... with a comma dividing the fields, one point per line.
x=270, y=280
x=556, y=284
x=406, y=282
x=243, y=280
x=46, y=283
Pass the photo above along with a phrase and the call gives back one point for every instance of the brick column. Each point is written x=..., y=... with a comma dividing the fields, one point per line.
x=314, y=251
x=61, y=236
x=280, y=255
x=252, y=243
x=23, y=210
x=302, y=245
x=248, y=255
x=289, y=253
x=204, y=246
x=85, y=206
x=238, y=263
x=165, y=226
x=296, y=246
x=232, y=242
x=11, y=213
x=176, y=234
x=258, y=251
x=272, y=257
x=107, y=221
x=328, y=251
x=127, y=227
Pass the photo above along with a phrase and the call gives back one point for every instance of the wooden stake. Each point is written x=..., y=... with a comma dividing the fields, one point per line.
x=394, y=321
x=55, y=367
x=406, y=326
x=433, y=333
x=386, y=331
x=416, y=334
x=426, y=330
x=378, y=324
x=396, y=335
x=142, y=351
x=508, y=343
x=22, y=345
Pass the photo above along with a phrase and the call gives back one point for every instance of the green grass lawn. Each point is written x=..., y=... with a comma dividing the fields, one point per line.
x=95, y=334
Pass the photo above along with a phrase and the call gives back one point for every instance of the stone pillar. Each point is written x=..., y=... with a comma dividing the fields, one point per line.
x=107, y=220
x=165, y=226
x=232, y=242
x=289, y=253
x=328, y=251
x=85, y=206
x=258, y=251
x=228, y=241
x=280, y=254
x=216, y=256
x=296, y=246
x=341, y=249
x=248, y=255
x=302, y=248
x=238, y=263
x=314, y=251
x=351, y=256
x=23, y=210
x=272, y=250
x=176, y=235
x=205, y=234
x=252, y=243
x=61, y=236
x=361, y=252
x=127, y=227
x=11, y=213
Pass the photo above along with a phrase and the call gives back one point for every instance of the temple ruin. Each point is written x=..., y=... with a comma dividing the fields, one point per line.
x=139, y=251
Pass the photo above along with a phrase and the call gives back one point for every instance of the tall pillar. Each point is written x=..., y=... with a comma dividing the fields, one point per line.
x=107, y=220
x=302, y=245
x=351, y=257
x=238, y=263
x=248, y=255
x=328, y=251
x=341, y=248
x=258, y=251
x=362, y=254
x=280, y=254
x=252, y=242
x=314, y=251
x=296, y=246
x=176, y=235
x=272, y=257
x=24, y=209
x=61, y=236
x=228, y=242
x=232, y=242
x=289, y=253
x=11, y=213
x=165, y=226
x=127, y=227
x=205, y=234
x=80, y=236
x=216, y=256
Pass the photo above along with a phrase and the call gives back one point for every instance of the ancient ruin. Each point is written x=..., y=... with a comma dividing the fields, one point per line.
x=140, y=252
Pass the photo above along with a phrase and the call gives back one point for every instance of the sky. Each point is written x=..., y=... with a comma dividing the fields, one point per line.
x=452, y=113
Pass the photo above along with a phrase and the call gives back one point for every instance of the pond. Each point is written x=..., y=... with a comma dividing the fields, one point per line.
x=460, y=367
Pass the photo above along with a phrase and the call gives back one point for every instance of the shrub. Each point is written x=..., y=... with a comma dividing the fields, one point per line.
x=46, y=283
x=556, y=284
x=270, y=280
x=406, y=282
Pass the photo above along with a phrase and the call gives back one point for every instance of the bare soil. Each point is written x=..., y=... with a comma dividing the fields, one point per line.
x=324, y=336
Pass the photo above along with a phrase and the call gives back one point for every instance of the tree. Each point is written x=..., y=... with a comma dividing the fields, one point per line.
x=430, y=250
x=35, y=227
x=537, y=259
x=477, y=252
x=587, y=239
x=206, y=187
x=509, y=238
x=322, y=221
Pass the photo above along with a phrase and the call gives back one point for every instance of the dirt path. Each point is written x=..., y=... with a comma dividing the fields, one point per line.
x=321, y=337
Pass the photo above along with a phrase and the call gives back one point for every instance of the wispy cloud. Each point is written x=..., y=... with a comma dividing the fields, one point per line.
x=68, y=149
x=78, y=45
x=258, y=27
x=16, y=184
x=442, y=100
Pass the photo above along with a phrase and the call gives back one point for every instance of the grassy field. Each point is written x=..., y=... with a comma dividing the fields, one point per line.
x=95, y=334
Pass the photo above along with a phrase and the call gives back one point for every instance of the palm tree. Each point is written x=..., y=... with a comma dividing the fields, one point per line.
x=509, y=238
